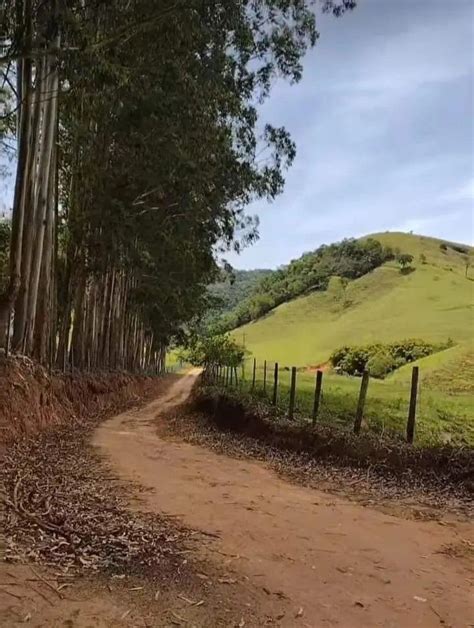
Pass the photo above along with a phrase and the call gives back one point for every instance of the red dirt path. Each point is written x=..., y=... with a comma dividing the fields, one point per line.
x=321, y=560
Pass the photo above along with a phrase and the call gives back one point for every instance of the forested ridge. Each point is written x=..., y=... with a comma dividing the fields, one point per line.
x=231, y=289
x=347, y=260
x=137, y=142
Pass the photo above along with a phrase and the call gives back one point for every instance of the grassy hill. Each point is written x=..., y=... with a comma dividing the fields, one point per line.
x=434, y=302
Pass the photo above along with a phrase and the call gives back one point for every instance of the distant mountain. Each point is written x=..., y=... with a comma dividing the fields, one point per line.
x=235, y=289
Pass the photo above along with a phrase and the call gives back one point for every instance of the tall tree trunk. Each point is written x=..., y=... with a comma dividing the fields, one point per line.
x=7, y=300
x=44, y=169
x=43, y=318
x=29, y=218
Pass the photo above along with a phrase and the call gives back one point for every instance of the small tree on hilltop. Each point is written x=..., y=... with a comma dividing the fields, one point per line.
x=404, y=260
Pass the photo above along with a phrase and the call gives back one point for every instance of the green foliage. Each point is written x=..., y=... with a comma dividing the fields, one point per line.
x=230, y=289
x=7, y=109
x=381, y=359
x=348, y=259
x=217, y=350
x=431, y=303
x=177, y=103
x=381, y=364
x=459, y=248
x=450, y=371
x=441, y=417
x=404, y=259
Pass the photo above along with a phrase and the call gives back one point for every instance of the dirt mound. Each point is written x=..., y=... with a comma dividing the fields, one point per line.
x=325, y=367
x=31, y=399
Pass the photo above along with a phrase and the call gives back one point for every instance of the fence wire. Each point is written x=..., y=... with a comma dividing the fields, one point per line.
x=385, y=410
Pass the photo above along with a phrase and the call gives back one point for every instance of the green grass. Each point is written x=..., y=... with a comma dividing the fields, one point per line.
x=450, y=371
x=441, y=417
x=434, y=302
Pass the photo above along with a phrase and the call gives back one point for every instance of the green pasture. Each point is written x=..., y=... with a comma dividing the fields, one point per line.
x=433, y=302
x=442, y=417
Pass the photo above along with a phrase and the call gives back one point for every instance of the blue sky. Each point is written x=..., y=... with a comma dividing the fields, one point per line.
x=383, y=121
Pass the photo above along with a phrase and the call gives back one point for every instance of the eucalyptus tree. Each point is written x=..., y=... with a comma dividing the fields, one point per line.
x=139, y=146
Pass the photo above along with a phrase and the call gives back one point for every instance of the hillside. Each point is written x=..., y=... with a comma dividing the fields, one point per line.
x=232, y=290
x=433, y=302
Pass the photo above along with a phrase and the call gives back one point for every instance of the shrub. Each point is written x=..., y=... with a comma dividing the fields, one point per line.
x=381, y=364
x=404, y=259
x=382, y=359
x=221, y=350
x=459, y=249
x=443, y=247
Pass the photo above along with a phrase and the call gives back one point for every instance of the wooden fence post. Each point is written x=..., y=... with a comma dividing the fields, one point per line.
x=231, y=375
x=275, y=384
x=412, y=407
x=361, y=403
x=291, y=409
x=265, y=376
x=254, y=372
x=235, y=375
x=226, y=376
x=317, y=395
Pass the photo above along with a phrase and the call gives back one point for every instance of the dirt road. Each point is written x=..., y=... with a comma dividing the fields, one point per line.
x=327, y=561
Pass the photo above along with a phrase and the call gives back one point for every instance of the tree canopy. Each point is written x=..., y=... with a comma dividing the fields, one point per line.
x=139, y=145
x=348, y=260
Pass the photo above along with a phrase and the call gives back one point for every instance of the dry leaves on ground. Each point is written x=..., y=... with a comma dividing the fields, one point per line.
x=60, y=509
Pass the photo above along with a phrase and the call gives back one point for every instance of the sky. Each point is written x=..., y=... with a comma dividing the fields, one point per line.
x=383, y=123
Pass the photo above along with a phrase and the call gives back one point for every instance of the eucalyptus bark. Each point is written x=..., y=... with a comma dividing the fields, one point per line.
x=29, y=218
x=7, y=300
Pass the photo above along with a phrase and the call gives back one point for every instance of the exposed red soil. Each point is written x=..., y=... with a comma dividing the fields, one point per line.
x=31, y=399
x=324, y=367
